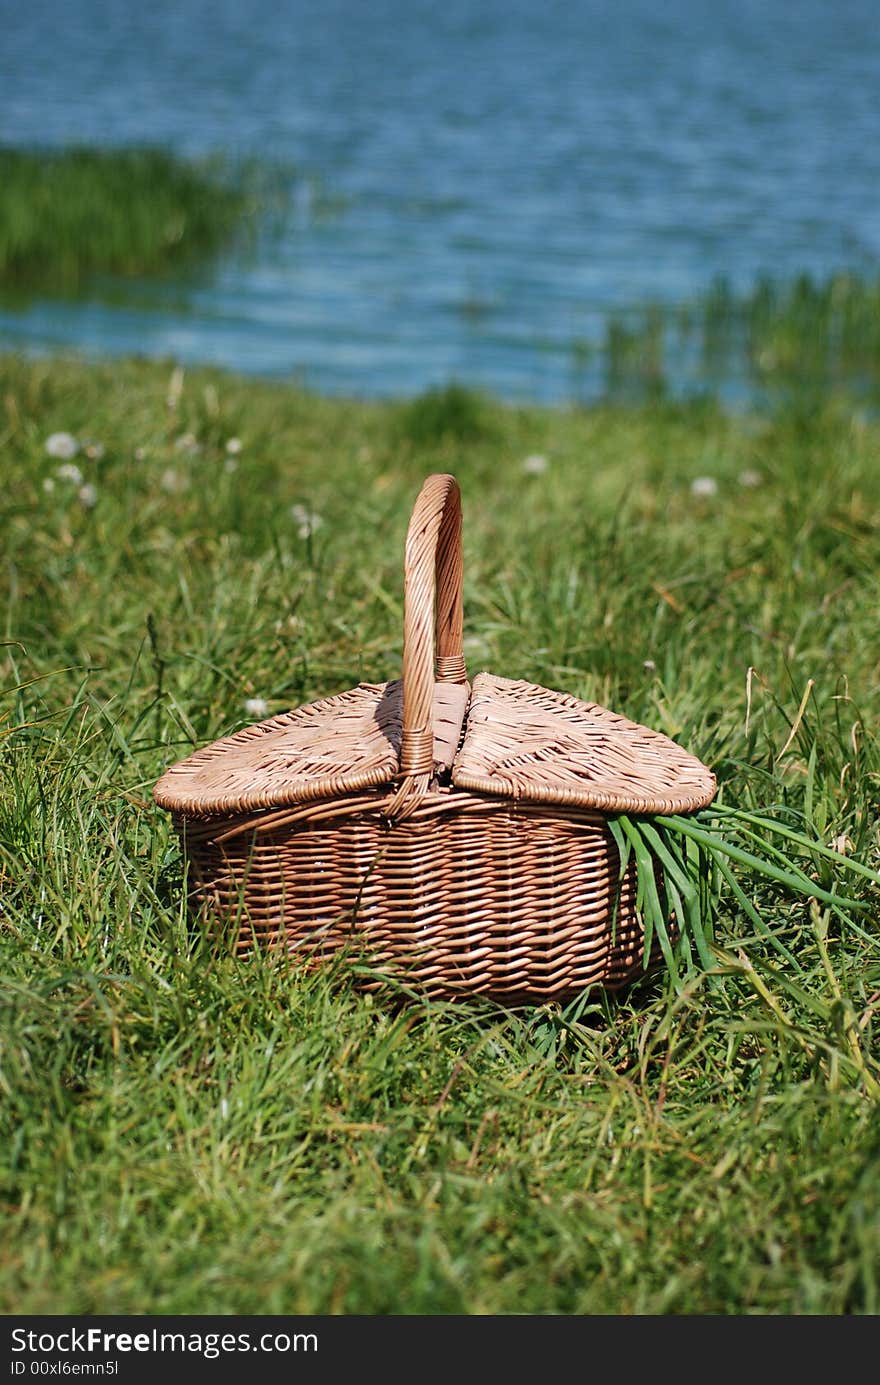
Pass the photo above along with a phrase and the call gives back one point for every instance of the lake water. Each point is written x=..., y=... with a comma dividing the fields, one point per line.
x=494, y=177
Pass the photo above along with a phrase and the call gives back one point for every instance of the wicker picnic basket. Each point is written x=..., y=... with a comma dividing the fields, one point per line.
x=453, y=837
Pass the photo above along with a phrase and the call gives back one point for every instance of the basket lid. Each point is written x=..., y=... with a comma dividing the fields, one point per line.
x=520, y=741
x=524, y=741
x=336, y=745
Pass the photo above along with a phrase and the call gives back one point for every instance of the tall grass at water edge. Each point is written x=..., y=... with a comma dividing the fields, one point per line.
x=186, y=1133
x=781, y=340
x=70, y=214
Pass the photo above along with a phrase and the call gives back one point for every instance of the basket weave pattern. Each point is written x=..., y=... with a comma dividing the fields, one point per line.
x=454, y=838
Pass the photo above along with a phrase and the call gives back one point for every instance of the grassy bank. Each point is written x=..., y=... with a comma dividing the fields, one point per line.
x=182, y=1133
x=68, y=214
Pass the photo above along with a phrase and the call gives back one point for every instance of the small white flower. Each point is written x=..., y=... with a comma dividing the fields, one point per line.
x=172, y=482
x=233, y=446
x=703, y=486
x=140, y=454
x=306, y=520
x=48, y=485
x=62, y=445
x=88, y=496
x=649, y=666
x=256, y=707
x=750, y=478
x=534, y=465
x=94, y=450
x=231, y=464
x=69, y=471
x=187, y=443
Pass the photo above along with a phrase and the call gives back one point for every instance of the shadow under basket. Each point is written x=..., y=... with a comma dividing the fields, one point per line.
x=448, y=836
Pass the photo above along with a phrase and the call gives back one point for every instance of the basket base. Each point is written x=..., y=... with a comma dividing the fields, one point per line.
x=469, y=896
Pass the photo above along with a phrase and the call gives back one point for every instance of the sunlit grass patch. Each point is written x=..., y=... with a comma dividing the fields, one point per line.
x=184, y=1132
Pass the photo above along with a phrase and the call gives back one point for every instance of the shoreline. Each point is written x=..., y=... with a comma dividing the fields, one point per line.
x=742, y=404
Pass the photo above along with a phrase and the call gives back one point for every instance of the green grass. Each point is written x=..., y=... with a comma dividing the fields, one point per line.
x=67, y=215
x=184, y=1133
x=780, y=339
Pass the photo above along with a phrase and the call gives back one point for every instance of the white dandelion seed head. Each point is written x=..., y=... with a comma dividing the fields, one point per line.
x=704, y=486
x=231, y=464
x=307, y=521
x=93, y=450
x=48, y=485
x=534, y=465
x=140, y=454
x=88, y=496
x=69, y=471
x=188, y=443
x=233, y=446
x=63, y=445
x=256, y=707
x=649, y=666
x=749, y=478
x=172, y=482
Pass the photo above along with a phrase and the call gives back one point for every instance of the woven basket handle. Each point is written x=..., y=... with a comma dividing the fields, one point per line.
x=433, y=570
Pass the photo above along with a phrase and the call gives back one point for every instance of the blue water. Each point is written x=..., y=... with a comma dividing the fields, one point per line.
x=493, y=178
